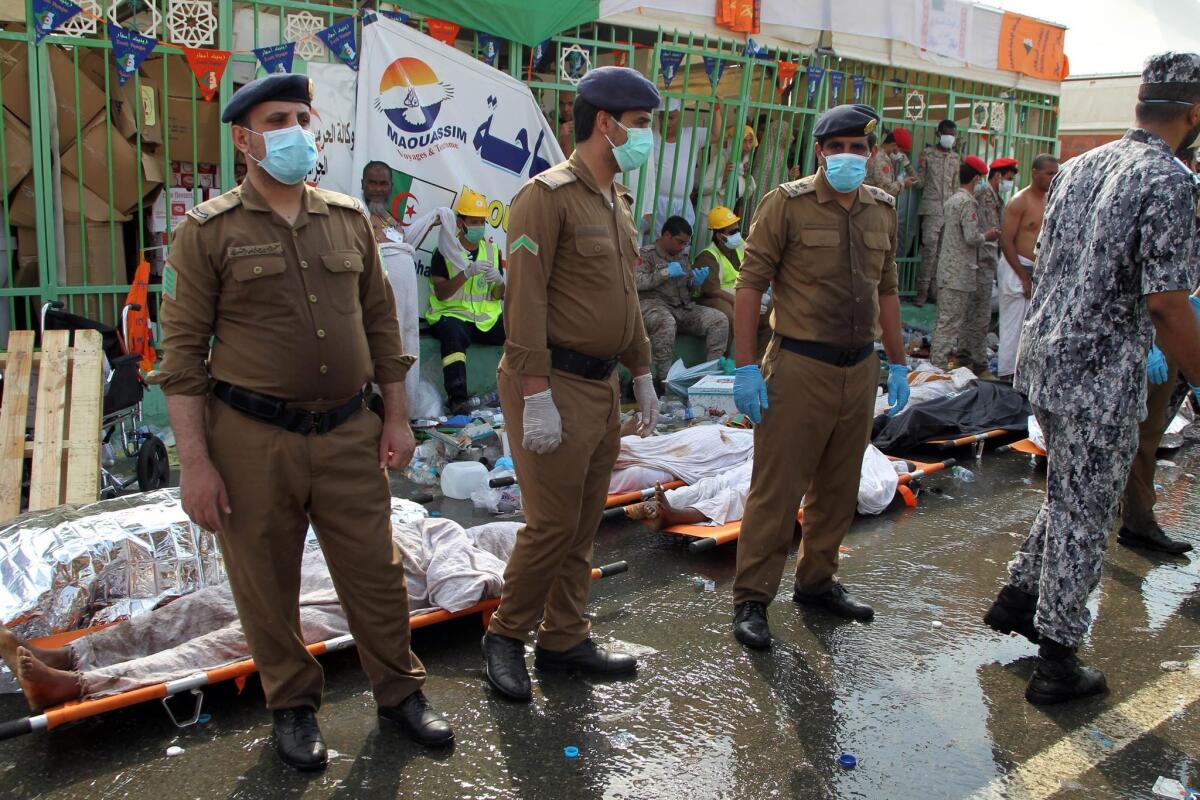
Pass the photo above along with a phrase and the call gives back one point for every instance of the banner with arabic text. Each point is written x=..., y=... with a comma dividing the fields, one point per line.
x=334, y=90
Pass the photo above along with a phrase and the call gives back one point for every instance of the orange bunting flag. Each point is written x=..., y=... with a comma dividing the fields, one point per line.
x=443, y=31
x=786, y=74
x=138, y=320
x=208, y=66
x=741, y=16
x=1031, y=47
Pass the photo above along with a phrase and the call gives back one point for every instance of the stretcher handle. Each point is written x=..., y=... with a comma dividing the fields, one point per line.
x=15, y=727
x=500, y=483
x=702, y=545
x=616, y=512
x=421, y=498
x=608, y=570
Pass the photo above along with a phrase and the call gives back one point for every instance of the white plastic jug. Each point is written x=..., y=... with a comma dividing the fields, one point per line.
x=461, y=478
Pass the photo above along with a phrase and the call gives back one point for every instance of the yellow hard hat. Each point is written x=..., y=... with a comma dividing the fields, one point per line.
x=721, y=217
x=471, y=204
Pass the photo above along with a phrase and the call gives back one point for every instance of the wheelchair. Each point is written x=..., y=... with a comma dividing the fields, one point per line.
x=124, y=388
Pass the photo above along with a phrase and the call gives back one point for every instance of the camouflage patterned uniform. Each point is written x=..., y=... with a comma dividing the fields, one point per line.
x=887, y=173
x=667, y=307
x=937, y=178
x=1119, y=225
x=979, y=317
x=957, y=278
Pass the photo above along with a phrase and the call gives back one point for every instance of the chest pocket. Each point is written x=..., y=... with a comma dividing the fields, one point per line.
x=876, y=246
x=256, y=268
x=343, y=268
x=260, y=280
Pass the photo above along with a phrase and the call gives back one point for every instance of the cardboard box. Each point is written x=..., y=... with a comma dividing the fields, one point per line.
x=712, y=395
x=18, y=151
x=62, y=68
x=103, y=150
x=200, y=122
x=98, y=251
x=179, y=80
x=136, y=106
x=179, y=201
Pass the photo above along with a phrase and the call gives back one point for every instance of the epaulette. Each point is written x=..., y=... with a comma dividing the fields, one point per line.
x=800, y=186
x=339, y=199
x=218, y=205
x=556, y=177
x=880, y=194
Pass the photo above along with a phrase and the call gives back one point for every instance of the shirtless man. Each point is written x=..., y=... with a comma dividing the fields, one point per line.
x=1022, y=222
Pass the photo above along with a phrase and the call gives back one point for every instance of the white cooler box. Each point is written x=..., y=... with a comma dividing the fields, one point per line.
x=712, y=395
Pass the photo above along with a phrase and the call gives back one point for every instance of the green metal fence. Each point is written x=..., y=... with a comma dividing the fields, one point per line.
x=90, y=169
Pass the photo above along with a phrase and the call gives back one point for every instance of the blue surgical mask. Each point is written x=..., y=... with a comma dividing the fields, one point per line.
x=291, y=154
x=845, y=171
x=635, y=152
x=734, y=240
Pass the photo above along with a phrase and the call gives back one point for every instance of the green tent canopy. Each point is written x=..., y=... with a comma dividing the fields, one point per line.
x=529, y=22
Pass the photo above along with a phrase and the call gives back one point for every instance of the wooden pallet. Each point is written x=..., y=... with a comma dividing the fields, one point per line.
x=66, y=427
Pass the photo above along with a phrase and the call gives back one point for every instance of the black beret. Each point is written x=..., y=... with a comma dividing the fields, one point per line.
x=853, y=119
x=618, y=89
x=285, y=86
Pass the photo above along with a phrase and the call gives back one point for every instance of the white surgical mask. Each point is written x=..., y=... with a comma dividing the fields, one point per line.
x=1005, y=187
x=946, y=140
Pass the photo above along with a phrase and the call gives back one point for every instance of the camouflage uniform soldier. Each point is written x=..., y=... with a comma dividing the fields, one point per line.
x=1113, y=258
x=937, y=178
x=665, y=285
x=989, y=196
x=958, y=263
x=889, y=169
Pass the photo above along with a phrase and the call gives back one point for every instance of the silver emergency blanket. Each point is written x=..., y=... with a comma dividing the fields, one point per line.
x=75, y=566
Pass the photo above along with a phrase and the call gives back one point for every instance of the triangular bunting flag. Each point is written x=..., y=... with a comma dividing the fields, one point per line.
x=51, y=14
x=714, y=68
x=445, y=32
x=835, y=87
x=786, y=74
x=668, y=65
x=339, y=38
x=277, y=58
x=859, y=82
x=208, y=66
x=489, y=48
x=129, y=49
x=814, y=82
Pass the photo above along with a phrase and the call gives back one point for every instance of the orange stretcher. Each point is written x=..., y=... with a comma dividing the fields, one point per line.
x=238, y=670
x=963, y=441
x=1024, y=446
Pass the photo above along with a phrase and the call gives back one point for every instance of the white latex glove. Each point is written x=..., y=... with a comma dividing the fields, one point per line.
x=643, y=392
x=491, y=273
x=543, y=425
x=476, y=267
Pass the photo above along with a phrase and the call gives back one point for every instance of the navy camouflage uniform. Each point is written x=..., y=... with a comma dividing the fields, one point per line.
x=1119, y=225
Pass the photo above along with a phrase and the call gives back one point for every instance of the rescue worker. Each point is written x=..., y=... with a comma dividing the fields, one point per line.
x=1114, y=265
x=889, y=169
x=665, y=285
x=937, y=178
x=958, y=273
x=285, y=282
x=723, y=260
x=827, y=245
x=989, y=195
x=573, y=311
x=465, y=303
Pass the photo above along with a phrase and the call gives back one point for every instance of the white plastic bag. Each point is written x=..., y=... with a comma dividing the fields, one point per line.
x=679, y=377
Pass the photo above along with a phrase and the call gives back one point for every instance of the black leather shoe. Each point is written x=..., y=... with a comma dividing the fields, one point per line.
x=1060, y=677
x=587, y=656
x=298, y=738
x=836, y=601
x=504, y=666
x=422, y=723
x=750, y=624
x=1153, y=539
x=1012, y=612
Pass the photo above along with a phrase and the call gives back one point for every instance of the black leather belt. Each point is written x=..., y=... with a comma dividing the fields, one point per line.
x=837, y=356
x=596, y=369
x=274, y=411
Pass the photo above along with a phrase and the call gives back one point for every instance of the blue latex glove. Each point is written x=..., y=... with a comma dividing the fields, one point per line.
x=750, y=392
x=1195, y=301
x=1156, y=366
x=1196, y=392
x=699, y=275
x=897, y=388
x=675, y=270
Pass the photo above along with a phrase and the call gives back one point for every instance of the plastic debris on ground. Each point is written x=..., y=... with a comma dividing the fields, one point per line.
x=503, y=500
x=962, y=474
x=1162, y=462
x=847, y=761
x=1169, y=787
x=571, y=751
x=1173, y=666
x=679, y=377
x=936, y=624
x=427, y=462
x=174, y=750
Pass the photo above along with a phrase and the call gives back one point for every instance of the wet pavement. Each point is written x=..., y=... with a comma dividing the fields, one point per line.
x=930, y=711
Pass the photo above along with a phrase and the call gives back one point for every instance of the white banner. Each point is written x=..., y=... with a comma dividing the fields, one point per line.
x=444, y=121
x=334, y=90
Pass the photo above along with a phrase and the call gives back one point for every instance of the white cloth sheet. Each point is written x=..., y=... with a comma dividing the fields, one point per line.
x=927, y=382
x=690, y=454
x=1013, y=306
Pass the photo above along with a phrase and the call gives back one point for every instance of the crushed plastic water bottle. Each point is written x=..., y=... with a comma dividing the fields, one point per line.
x=962, y=474
x=491, y=398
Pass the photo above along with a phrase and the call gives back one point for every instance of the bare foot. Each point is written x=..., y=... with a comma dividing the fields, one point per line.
x=57, y=657
x=8, y=648
x=43, y=685
x=647, y=513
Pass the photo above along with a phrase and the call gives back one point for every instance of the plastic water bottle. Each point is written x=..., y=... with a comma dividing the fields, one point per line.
x=963, y=474
x=491, y=398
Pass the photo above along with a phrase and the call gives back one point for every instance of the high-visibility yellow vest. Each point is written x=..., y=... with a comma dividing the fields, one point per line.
x=473, y=302
x=729, y=273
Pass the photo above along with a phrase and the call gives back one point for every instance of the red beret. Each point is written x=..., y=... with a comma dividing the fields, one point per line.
x=1002, y=163
x=902, y=138
x=976, y=163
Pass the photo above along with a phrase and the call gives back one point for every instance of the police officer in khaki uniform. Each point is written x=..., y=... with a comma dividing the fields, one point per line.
x=826, y=245
x=273, y=433
x=572, y=307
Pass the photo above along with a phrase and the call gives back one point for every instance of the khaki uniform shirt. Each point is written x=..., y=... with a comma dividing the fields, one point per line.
x=991, y=213
x=828, y=266
x=937, y=178
x=300, y=312
x=571, y=256
x=654, y=284
x=958, y=258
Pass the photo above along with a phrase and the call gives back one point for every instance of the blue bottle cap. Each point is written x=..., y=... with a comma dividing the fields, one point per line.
x=435, y=513
x=847, y=761
x=571, y=751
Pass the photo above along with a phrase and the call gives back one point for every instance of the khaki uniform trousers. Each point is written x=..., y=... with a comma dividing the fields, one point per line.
x=809, y=446
x=549, y=573
x=278, y=482
x=1137, y=502
x=931, y=238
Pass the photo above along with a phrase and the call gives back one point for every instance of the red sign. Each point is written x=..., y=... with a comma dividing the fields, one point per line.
x=208, y=66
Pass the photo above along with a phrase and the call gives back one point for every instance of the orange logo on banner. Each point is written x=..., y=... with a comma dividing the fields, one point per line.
x=1031, y=47
x=139, y=320
x=208, y=67
x=443, y=31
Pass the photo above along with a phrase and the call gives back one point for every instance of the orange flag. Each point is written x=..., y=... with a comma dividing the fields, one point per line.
x=208, y=67
x=139, y=320
x=1031, y=47
x=443, y=31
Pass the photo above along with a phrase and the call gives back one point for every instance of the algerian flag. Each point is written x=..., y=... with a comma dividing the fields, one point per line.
x=529, y=22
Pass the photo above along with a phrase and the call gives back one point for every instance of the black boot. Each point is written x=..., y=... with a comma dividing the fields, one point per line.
x=1012, y=612
x=836, y=601
x=504, y=666
x=1060, y=677
x=421, y=722
x=298, y=738
x=1153, y=538
x=750, y=624
x=587, y=656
